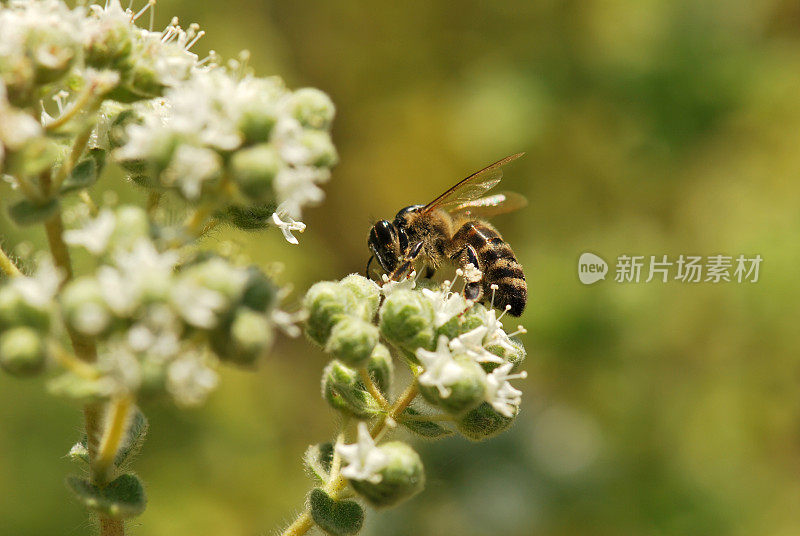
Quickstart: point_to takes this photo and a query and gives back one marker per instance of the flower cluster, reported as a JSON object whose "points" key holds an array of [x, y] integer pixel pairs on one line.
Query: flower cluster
{"points": [[457, 351], [160, 322], [250, 139], [87, 81]]}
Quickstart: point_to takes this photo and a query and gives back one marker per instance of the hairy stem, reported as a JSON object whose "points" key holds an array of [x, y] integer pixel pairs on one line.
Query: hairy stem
{"points": [[113, 435], [85, 350], [372, 388], [78, 146], [304, 521], [111, 527], [89, 202], [7, 265]]}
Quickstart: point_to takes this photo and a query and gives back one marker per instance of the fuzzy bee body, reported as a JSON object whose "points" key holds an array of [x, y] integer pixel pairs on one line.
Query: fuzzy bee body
{"points": [[449, 230]]}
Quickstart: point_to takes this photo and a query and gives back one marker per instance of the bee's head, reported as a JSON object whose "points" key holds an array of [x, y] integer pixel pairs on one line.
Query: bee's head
{"points": [[389, 241], [387, 244], [403, 217]]}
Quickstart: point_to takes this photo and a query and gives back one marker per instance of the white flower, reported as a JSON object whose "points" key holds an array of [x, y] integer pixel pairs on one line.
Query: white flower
{"points": [[122, 368], [189, 380], [196, 304], [95, 234], [91, 318], [390, 286], [143, 270], [499, 392], [363, 460], [288, 226], [441, 370], [39, 289], [16, 127], [495, 334], [190, 167], [296, 187], [446, 304], [157, 334], [471, 344]]}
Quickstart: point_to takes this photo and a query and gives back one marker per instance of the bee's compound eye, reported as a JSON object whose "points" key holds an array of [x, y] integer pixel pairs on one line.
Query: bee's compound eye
{"points": [[382, 233]]}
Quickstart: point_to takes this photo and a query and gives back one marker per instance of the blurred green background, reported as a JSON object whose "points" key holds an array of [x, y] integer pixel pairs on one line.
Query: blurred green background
{"points": [[651, 127]]}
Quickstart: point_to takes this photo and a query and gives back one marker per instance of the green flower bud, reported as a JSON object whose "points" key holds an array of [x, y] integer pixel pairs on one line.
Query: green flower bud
{"points": [[327, 303], [142, 82], [352, 341], [381, 368], [312, 108], [512, 352], [256, 124], [460, 324], [52, 54], [22, 351], [402, 478], [260, 293], [251, 337], [483, 422], [319, 144], [132, 225], [366, 291], [15, 311], [254, 169], [19, 77], [342, 389], [462, 394], [218, 275], [109, 48], [406, 319], [83, 306]]}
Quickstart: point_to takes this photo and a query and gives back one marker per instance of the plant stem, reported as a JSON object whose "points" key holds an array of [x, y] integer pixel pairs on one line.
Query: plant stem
{"points": [[89, 202], [7, 265], [85, 350], [111, 527], [116, 426], [372, 388], [304, 521], [78, 146]]}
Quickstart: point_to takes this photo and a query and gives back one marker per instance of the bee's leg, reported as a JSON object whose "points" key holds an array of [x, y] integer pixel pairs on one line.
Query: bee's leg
{"points": [[408, 263], [473, 290]]}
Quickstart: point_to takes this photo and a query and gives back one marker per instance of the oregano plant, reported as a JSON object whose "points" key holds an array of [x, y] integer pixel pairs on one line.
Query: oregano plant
{"points": [[86, 94]]}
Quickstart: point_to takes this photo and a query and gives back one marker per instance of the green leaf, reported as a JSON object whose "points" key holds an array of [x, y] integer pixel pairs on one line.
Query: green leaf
{"points": [[135, 439], [27, 212], [428, 429], [249, 217], [318, 459], [337, 518], [123, 497], [83, 175]]}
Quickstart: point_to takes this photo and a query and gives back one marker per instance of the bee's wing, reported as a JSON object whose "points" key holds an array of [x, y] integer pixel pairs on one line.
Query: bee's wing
{"points": [[492, 205], [472, 187]]}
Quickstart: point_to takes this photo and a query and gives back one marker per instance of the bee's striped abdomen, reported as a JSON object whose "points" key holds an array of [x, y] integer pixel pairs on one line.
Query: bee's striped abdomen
{"points": [[498, 264]]}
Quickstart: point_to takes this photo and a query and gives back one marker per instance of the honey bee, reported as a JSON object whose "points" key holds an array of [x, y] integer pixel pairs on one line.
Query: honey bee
{"points": [[451, 230]]}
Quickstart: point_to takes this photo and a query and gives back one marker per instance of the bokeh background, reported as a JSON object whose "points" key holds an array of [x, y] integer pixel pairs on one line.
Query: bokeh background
{"points": [[651, 127]]}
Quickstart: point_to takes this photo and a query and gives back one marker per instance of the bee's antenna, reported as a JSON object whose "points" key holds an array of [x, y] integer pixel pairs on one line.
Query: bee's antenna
{"points": [[369, 261]]}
